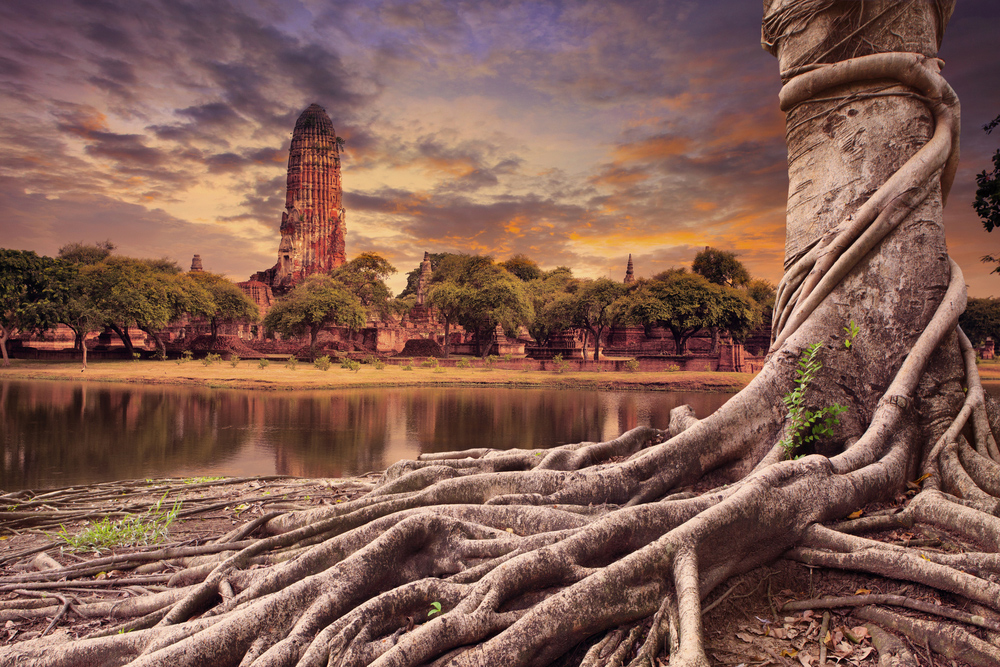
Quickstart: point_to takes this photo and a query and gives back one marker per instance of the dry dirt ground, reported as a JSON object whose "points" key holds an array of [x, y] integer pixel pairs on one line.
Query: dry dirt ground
{"points": [[744, 620]]}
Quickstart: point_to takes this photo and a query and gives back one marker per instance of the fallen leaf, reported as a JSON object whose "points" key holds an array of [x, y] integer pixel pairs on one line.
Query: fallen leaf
{"points": [[780, 633], [789, 653], [862, 591], [806, 659], [859, 631], [745, 637], [855, 515], [863, 653]]}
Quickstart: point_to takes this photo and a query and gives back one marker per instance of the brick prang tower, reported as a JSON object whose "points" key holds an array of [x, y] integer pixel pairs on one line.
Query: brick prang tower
{"points": [[313, 225]]}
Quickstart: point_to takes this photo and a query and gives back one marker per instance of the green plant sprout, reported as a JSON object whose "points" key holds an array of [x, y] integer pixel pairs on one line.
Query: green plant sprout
{"points": [[807, 426], [435, 608], [852, 332], [130, 530]]}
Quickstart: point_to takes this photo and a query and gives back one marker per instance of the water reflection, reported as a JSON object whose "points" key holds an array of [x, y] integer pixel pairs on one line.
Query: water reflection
{"points": [[61, 433]]}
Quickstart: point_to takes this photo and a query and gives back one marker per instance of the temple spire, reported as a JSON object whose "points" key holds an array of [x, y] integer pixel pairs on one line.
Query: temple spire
{"points": [[629, 273]]}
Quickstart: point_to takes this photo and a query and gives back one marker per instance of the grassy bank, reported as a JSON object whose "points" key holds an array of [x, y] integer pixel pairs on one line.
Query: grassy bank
{"points": [[276, 376]]}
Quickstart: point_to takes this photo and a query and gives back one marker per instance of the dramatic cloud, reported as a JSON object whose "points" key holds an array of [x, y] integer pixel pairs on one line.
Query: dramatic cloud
{"points": [[576, 133]]}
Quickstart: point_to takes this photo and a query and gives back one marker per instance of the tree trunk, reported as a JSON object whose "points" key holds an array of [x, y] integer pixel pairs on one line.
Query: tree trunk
{"points": [[474, 557], [161, 347], [5, 335], [214, 328], [125, 338], [447, 337]]}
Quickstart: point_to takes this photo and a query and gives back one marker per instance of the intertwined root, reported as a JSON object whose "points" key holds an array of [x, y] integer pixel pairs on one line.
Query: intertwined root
{"points": [[523, 568]]}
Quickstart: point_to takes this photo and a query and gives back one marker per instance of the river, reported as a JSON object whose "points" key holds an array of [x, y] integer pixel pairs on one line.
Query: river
{"points": [[64, 433]]}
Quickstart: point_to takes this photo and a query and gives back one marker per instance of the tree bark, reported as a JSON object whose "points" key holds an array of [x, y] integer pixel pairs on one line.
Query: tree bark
{"points": [[476, 557]]}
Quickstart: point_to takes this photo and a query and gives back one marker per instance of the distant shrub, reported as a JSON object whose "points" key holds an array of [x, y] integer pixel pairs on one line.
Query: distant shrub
{"points": [[291, 363], [559, 363], [186, 355], [489, 361], [160, 355], [263, 363], [632, 365], [507, 357], [429, 363], [672, 368], [322, 363], [234, 360], [211, 358], [350, 364], [379, 365], [464, 363], [407, 367]]}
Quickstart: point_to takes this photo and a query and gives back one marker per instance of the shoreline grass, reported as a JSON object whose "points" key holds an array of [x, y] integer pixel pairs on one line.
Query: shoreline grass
{"points": [[276, 377]]}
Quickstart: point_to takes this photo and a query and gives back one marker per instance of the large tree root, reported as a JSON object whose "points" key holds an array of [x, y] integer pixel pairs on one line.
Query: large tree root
{"points": [[609, 549]]}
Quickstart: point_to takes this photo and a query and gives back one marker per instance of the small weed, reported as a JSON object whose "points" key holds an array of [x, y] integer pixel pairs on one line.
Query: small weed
{"points": [[632, 365], [507, 357], [435, 608], [407, 367], [130, 530], [559, 363], [291, 363], [211, 358], [852, 331], [463, 363], [136, 356], [429, 363], [234, 360], [201, 480], [350, 364], [807, 426], [263, 363], [489, 361], [379, 365], [161, 355], [322, 363], [672, 368]]}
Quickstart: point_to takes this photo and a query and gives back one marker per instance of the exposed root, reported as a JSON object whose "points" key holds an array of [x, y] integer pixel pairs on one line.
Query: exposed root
{"points": [[517, 558]]}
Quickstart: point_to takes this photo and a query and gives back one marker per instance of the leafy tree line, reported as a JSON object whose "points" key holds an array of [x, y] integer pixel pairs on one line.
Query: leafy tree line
{"points": [[480, 295], [88, 288]]}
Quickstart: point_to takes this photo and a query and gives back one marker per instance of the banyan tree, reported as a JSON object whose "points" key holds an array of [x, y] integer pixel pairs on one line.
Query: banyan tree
{"points": [[610, 550]]}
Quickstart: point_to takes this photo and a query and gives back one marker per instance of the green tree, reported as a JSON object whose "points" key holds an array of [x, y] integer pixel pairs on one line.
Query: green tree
{"points": [[364, 276], [318, 302], [987, 201], [683, 302], [83, 253], [78, 308], [492, 296], [523, 267], [598, 305], [552, 304], [449, 298], [980, 320], [131, 293], [720, 267], [228, 302], [28, 294]]}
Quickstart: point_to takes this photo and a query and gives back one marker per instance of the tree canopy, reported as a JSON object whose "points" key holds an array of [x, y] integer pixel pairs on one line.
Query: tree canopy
{"points": [[29, 294], [317, 302], [364, 276], [720, 267]]}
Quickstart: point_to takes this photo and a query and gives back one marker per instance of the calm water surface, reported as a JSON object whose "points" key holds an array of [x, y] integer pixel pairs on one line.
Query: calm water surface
{"points": [[61, 433]]}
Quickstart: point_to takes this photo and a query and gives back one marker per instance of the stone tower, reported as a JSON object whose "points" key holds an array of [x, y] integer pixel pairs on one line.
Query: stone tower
{"points": [[312, 226], [629, 272]]}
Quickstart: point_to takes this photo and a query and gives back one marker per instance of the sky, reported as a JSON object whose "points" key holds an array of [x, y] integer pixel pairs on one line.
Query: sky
{"points": [[574, 132]]}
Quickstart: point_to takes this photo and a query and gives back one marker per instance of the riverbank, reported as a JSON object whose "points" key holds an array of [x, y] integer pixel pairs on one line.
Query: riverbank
{"points": [[278, 377]]}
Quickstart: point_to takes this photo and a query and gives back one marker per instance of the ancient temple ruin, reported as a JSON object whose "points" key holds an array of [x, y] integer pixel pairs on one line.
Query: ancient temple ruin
{"points": [[312, 225]]}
